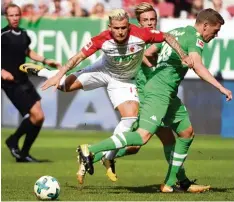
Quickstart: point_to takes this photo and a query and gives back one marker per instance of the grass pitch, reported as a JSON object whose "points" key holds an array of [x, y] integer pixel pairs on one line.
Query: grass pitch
{"points": [[210, 160]]}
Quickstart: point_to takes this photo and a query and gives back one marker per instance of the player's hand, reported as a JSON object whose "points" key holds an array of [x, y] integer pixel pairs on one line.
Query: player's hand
{"points": [[7, 75], [53, 63], [226, 92], [53, 81], [188, 61]]}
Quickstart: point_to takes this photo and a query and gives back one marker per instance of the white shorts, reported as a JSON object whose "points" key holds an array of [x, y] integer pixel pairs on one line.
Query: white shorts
{"points": [[96, 76]]}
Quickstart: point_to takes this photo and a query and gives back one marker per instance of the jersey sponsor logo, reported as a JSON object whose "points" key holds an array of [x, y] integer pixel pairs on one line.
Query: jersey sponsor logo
{"points": [[200, 43], [88, 45], [125, 58], [177, 33], [154, 118]]}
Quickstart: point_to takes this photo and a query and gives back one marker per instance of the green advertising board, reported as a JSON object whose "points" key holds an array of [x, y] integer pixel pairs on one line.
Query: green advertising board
{"points": [[60, 39]]}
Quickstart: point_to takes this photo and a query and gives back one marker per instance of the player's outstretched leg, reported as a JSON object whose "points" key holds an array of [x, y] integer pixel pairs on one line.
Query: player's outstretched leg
{"points": [[125, 125], [85, 152], [30, 68], [85, 157]]}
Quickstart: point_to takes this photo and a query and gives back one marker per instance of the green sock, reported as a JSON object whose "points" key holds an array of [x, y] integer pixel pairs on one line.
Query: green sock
{"points": [[168, 149], [181, 174], [116, 142], [179, 155], [98, 156], [121, 152]]}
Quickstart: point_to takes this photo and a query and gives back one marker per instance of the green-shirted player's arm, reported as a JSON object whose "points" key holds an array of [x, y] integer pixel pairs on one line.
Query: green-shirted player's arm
{"points": [[149, 54], [147, 62], [152, 50], [195, 48], [204, 74], [170, 39]]}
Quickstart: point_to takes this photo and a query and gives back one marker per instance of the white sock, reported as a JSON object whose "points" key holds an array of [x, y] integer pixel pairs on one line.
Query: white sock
{"points": [[50, 73], [47, 73], [124, 125]]}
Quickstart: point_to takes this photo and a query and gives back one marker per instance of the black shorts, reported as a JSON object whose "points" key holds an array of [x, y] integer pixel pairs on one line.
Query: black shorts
{"points": [[22, 95]]}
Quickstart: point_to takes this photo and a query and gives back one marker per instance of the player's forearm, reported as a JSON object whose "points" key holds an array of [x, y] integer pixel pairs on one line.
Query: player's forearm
{"points": [[147, 62], [174, 44], [74, 61], [204, 74], [34, 56]]}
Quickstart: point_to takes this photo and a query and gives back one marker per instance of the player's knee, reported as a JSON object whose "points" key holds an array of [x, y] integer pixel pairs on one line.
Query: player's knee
{"points": [[133, 149], [145, 135], [129, 108], [37, 118], [36, 115], [128, 121], [125, 124], [166, 136], [70, 84], [187, 133]]}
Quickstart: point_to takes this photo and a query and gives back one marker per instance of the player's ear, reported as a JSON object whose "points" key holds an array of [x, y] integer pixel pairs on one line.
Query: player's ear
{"points": [[109, 27], [205, 25]]}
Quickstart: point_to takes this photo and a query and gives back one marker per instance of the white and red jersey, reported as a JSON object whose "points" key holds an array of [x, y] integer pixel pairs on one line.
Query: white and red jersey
{"points": [[123, 60]]}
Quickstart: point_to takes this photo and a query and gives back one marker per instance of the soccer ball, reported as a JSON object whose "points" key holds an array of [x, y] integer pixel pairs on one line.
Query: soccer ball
{"points": [[47, 188]]}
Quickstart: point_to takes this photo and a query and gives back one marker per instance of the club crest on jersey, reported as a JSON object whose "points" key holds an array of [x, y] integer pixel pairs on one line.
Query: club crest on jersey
{"points": [[132, 49], [200, 43], [88, 45]]}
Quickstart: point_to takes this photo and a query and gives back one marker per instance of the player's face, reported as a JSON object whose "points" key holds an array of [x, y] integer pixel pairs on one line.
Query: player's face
{"points": [[119, 30], [210, 31], [13, 17], [148, 19]]}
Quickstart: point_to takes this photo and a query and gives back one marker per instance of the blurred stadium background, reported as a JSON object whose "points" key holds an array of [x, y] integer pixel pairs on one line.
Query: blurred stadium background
{"points": [[59, 32], [58, 29]]}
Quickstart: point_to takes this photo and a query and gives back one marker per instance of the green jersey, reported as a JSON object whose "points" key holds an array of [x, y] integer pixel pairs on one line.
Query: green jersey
{"points": [[144, 71], [143, 75], [169, 71]]}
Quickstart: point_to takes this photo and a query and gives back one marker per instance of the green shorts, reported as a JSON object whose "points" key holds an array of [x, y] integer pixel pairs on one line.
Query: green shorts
{"points": [[156, 112]]}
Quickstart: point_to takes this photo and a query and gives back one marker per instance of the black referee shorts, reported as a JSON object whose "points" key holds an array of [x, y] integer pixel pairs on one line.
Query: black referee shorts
{"points": [[22, 95]]}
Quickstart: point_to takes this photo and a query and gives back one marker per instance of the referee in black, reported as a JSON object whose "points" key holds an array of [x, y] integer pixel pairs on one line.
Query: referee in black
{"points": [[16, 85]]}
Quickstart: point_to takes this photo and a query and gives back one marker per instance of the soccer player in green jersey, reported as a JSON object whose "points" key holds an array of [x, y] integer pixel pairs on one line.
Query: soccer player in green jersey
{"points": [[161, 104]]}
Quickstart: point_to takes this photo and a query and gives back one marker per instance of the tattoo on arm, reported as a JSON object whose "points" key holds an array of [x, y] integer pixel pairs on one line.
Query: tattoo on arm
{"points": [[74, 61], [174, 44]]}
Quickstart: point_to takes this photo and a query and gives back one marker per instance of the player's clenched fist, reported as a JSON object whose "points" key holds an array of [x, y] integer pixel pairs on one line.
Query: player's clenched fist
{"points": [[188, 61], [7, 75], [226, 92]]}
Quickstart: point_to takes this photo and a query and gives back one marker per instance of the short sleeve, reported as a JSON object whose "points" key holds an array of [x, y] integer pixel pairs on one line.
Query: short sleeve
{"points": [[94, 44], [153, 36], [28, 39], [195, 44]]}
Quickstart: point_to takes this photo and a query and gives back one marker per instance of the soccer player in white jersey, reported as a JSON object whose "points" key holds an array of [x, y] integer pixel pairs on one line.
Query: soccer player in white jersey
{"points": [[123, 47]]}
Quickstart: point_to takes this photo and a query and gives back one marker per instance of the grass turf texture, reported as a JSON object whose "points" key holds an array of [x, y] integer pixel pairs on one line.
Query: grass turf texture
{"points": [[210, 160]]}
